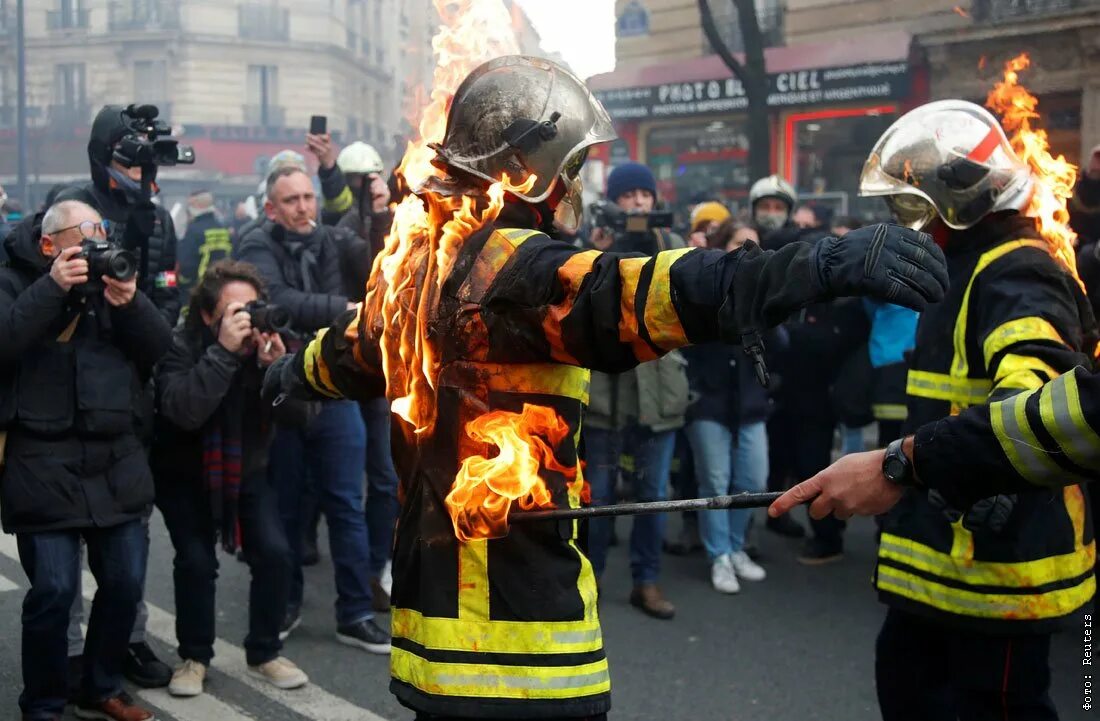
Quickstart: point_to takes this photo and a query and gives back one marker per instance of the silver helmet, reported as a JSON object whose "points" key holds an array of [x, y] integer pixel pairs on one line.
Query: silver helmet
{"points": [[773, 186], [950, 159], [523, 116]]}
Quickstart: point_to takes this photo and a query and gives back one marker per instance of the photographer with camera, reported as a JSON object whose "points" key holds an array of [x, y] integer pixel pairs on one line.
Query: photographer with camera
{"points": [[635, 413], [299, 261], [209, 460], [80, 341]]}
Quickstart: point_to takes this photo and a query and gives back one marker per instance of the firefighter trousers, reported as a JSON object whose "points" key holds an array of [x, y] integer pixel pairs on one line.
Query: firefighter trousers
{"points": [[927, 671]]}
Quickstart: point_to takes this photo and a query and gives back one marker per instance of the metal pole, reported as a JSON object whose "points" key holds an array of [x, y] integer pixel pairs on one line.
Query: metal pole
{"points": [[741, 500], [21, 105]]}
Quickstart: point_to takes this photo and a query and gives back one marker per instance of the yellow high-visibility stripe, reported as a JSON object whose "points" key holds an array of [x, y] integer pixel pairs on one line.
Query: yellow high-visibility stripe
{"points": [[960, 366], [889, 411], [1018, 607], [1018, 331], [550, 379], [454, 634], [571, 276], [316, 369], [661, 320], [341, 203], [473, 580], [1064, 419], [1018, 440], [631, 271], [482, 680], [962, 542], [1022, 372], [1021, 574], [943, 387], [498, 249]]}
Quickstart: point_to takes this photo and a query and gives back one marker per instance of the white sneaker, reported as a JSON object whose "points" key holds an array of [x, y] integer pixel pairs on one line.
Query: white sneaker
{"points": [[386, 578], [187, 679], [722, 576], [280, 673], [746, 568]]}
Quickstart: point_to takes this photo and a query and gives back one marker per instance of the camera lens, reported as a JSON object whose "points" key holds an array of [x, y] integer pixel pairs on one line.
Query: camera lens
{"points": [[121, 265]]}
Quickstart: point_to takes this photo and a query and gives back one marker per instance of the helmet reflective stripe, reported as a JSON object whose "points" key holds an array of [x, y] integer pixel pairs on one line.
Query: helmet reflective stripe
{"points": [[360, 158]]}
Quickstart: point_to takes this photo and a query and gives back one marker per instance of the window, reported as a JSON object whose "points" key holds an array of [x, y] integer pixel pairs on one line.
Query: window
{"points": [[263, 22], [262, 96], [69, 14], [68, 85], [151, 83]]}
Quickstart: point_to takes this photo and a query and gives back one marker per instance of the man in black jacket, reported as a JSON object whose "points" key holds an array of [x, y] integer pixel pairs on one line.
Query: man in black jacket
{"points": [[73, 345], [206, 241], [300, 264]]}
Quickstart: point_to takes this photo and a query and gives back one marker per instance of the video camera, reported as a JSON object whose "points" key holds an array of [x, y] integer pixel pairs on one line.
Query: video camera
{"points": [[268, 318], [150, 142], [106, 259], [632, 231]]}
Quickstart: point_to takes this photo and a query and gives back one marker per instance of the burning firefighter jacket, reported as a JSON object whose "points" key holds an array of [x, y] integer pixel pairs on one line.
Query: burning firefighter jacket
{"points": [[492, 622], [1012, 320]]}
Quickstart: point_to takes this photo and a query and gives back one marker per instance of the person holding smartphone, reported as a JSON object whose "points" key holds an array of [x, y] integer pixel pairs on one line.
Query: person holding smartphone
{"points": [[209, 462]]}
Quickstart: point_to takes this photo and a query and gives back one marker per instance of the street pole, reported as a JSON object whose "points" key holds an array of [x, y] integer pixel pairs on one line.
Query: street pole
{"points": [[21, 104]]}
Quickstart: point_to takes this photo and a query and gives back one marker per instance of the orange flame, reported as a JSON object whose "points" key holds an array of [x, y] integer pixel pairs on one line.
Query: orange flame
{"points": [[1054, 177], [426, 236], [960, 12]]}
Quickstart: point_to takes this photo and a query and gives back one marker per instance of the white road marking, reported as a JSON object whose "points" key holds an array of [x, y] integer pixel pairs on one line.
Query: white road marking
{"points": [[200, 708], [311, 701], [7, 585]]}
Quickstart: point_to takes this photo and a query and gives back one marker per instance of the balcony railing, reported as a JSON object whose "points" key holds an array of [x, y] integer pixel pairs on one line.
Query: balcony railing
{"points": [[266, 116], [143, 15], [263, 22], [997, 11], [66, 19]]}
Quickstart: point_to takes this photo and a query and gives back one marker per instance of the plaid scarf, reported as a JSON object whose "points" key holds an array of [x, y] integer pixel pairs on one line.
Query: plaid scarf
{"points": [[221, 465]]}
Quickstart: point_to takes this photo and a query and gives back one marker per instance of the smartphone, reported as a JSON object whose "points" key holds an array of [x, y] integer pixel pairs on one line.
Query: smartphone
{"points": [[318, 125]]}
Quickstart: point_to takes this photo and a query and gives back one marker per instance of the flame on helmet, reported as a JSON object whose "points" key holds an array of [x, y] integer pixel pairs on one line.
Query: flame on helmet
{"points": [[1054, 176], [425, 238]]}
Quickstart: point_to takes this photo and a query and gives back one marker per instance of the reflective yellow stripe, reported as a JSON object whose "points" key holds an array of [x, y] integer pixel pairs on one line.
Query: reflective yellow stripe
{"points": [[453, 634], [960, 366], [341, 202], [1022, 372], [1022, 574], [661, 320], [962, 542], [631, 271], [316, 369], [1017, 607], [1019, 442], [571, 276], [940, 386], [473, 580], [550, 379], [481, 680], [498, 249], [890, 411], [1018, 331], [1064, 419], [1074, 499]]}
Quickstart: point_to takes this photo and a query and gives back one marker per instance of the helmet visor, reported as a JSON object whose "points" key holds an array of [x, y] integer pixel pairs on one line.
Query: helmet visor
{"points": [[570, 209], [912, 211]]}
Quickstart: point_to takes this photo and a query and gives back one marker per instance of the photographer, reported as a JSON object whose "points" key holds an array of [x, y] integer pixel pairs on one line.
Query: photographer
{"points": [[638, 412], [78, 334], [300, 264], [209, 460]]}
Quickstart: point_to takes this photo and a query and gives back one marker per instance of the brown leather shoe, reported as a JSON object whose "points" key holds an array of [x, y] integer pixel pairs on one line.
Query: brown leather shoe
{"points": [[380, 600], [118, 708], [648, 598]]}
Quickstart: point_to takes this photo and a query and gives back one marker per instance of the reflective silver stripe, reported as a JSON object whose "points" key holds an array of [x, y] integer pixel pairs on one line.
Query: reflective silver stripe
{"points": [[1019, 443], [939, 386], [575, 636], [491, 680], [917, 588], [1060, 414]]}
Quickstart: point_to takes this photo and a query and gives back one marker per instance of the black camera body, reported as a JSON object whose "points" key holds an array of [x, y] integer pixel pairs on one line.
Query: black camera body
{"points": [[149, 142], [106, 259], [268, 317], [633, 232]]}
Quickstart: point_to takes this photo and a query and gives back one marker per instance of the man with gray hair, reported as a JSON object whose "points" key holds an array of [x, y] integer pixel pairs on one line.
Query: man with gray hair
{"points": [[206, 241], [77, 332]]}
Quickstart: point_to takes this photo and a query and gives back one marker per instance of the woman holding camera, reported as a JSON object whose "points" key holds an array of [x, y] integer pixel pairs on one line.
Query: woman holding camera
{"points": [[210, 465]]}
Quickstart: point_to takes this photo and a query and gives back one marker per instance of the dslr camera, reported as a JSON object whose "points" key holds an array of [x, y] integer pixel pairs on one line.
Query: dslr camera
{"points": [[149, 142], [268, 318], [106, 259]]}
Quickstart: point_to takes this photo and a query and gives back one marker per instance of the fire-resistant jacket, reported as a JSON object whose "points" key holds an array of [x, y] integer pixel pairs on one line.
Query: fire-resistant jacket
{"points": [[1012, 320], [508, 628]]}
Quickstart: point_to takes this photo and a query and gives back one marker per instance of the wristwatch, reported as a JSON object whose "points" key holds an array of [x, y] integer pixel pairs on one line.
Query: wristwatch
{"points": [[896, 467]]}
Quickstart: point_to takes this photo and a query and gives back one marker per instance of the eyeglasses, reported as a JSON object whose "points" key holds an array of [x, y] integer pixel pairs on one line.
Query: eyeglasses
{"points": [[89, 229]]}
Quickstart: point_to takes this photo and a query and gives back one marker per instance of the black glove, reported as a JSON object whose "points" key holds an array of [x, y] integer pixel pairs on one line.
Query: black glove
{"points": [[884, 261]]}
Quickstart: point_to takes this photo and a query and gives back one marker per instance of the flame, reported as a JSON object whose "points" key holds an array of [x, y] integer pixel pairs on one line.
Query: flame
{"points": [[960, 12], [1054, 177], [427, 233]]}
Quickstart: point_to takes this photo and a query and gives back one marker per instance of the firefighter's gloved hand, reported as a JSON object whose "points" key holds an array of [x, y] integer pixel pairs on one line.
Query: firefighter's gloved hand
{"points": [[884, 261], [992, 513]]}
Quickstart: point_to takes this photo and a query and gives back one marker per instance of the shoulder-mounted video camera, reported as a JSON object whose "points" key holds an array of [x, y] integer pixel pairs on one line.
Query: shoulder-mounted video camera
{"points": [[106, 259], [149, 141], [633, 232]]}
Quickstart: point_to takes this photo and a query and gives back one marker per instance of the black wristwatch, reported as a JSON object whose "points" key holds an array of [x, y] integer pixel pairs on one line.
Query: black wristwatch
{"points": [[896, 467]]}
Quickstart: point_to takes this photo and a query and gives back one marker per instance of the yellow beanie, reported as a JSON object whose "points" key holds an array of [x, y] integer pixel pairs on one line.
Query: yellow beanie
{"points": [[707, 212]]}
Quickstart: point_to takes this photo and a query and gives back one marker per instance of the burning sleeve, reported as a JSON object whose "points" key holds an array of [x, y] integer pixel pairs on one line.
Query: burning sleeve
{"points": [[1046, 437], [341, 362]]}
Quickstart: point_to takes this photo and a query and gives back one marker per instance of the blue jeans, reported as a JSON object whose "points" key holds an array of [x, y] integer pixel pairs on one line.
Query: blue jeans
{"points": [[331, 451], [652, 462], [725, 467], [382, 505], [51, 560]]}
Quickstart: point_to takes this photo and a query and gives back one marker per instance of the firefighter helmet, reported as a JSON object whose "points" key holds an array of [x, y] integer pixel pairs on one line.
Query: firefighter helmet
{"points": [[360, 158], [522, 116], [773, 187], [951, 159]]}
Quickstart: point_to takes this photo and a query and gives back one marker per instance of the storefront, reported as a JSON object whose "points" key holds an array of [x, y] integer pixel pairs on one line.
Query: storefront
{"points": [[827, 103]]}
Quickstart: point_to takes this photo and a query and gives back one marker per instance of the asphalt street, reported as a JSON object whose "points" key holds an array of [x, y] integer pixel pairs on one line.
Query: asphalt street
{"points": [[795, 647]]}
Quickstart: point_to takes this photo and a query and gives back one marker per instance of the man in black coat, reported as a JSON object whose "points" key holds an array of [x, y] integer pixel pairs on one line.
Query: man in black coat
{"points": [[74, 467]]}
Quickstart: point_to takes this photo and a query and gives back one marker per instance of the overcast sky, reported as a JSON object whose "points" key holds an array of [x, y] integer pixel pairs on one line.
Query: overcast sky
{"points": [[583, 31]]}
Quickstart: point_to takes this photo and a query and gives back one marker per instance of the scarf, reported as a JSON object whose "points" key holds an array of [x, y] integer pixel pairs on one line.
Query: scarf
{"points": [[221, 465]]}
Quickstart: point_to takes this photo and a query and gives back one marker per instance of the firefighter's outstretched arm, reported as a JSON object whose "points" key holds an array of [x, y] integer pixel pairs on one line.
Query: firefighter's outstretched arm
{"points": [[1044, 438], [609, 312]]}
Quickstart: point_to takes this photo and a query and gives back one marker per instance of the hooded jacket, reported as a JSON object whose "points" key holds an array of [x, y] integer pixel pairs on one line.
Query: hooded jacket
{"points": [[122, 205], [68, 404]]}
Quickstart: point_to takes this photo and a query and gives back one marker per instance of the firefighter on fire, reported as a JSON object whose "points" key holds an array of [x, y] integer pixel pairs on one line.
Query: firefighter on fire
{"points": [[507, 628], [976, 585]]}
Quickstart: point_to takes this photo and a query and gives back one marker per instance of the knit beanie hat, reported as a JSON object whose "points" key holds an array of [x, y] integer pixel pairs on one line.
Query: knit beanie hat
{"points": [[630, 176]]}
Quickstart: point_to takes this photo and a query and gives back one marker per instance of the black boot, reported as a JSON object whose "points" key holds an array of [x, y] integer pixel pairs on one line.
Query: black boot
{"points": [[143, 668]]}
